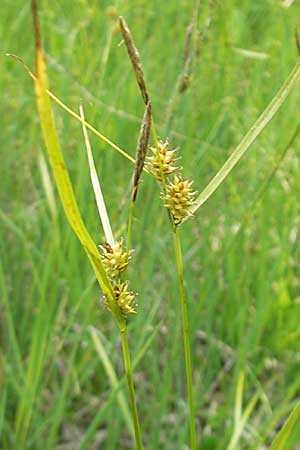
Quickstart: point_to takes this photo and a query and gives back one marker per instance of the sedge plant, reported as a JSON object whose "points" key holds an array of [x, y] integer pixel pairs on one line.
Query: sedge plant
{"points": [[179, 198], [111, 261]]}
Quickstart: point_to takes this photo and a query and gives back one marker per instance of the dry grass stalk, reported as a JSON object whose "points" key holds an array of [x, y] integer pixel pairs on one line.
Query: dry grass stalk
{"points": [[142, 148], [187, 42], [135, 58]]}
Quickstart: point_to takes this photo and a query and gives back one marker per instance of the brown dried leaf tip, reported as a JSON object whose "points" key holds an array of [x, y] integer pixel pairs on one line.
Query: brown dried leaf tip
{"points": [[179, 198], [162, 160]]}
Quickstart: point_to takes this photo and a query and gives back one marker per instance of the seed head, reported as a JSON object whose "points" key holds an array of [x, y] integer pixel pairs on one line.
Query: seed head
{"points": [[162, 159], [179, 198], [125, 298], [114, 259]]}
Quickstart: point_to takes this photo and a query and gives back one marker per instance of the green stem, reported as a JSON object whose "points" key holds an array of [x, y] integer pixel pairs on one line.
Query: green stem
{"points": [[186, 338], [132, 201], [129, 227], [184, 315], [128, 372], [163, 179]]}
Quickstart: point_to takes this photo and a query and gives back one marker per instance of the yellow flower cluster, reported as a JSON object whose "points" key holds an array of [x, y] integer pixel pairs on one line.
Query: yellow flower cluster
{"points": [[178, 195], [179, 198], [162, 160], [125, 298], [115, 261]]}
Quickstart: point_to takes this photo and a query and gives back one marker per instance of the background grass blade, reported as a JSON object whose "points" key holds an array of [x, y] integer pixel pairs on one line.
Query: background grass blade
{"points": [[241, 418], [280, 440], [91, 430], [250, 137], [74, 114], [100, 348]]}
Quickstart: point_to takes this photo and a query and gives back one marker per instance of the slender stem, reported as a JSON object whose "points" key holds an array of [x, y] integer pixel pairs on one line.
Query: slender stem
{"points": [[153, 132], [156, 143], [186, 338], [129, 226], [128, 372], [184, 315], [132, 201], [162, 176]]}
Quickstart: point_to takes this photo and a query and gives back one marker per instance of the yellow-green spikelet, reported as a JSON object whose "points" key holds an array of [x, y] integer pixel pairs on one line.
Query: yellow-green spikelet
{"points": [[179, 198], [125, 299], [114, 259], [162, 160]]}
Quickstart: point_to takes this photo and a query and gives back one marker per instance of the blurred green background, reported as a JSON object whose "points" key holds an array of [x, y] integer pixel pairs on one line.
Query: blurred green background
{"points": [[241, 251]]}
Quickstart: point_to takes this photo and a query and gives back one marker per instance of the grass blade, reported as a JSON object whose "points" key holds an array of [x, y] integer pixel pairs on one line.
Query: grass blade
{"points": [[96, 337], [91, 430], [60, 172], [46, 180], [283, 435], [240, 417], [73, 113], [249, 138], [96, 186]]}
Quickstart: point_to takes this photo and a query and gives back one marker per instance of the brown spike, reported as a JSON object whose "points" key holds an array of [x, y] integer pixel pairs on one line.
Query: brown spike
{"points": [[135, 58], [142, 148], [187, 42]]}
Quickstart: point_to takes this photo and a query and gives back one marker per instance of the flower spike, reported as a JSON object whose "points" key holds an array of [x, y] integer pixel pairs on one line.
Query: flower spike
{"points": [[179, 198]]}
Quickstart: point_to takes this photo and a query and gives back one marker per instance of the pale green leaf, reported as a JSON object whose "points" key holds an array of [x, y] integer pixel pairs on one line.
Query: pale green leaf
{"points": [[282, 436], [96, 186], [249, 138]]}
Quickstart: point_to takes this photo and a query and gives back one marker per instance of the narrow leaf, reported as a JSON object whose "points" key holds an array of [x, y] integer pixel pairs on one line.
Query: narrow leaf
{"points": [[283, 435], [46, 180], [249, 138], [60, 172], [239, 398], [74, 114], [100, 348], [242, 422], [252, 54], [94, 425], [96, 186]]}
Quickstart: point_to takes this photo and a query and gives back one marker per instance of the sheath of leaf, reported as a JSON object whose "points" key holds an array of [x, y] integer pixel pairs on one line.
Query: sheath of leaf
{"points": [[162, 160], [125, 299], [114, 259], [179, 198]]}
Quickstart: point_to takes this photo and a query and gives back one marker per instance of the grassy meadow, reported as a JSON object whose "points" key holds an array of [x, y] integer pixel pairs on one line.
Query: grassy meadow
{"points": [[61, 372]]}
